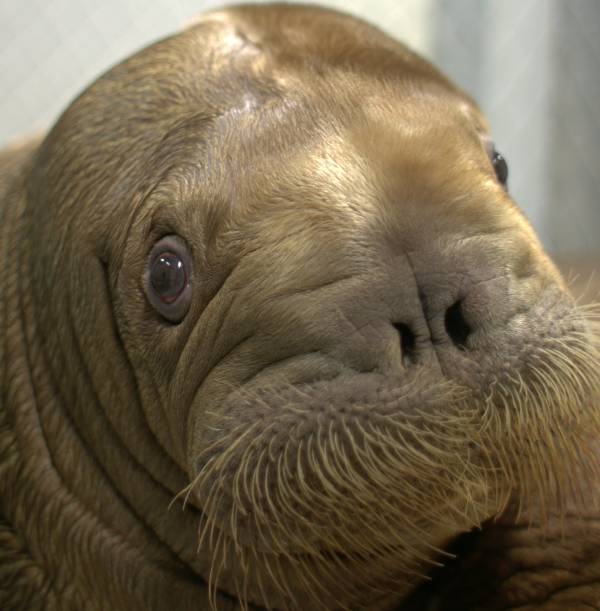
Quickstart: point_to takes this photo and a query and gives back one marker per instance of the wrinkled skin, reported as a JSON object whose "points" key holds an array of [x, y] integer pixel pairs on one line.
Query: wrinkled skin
{"points": [[378, 356]]}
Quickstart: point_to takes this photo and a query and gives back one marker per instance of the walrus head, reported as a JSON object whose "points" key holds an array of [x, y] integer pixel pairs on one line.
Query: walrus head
{"points": [[277, 254]]}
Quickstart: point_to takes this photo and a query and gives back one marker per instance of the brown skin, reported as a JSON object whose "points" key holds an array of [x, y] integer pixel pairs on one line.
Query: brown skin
{"points": [[377, 356]]}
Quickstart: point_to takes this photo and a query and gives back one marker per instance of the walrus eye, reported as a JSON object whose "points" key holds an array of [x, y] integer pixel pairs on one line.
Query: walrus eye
{"points": [[500, 167], [168, 278]]}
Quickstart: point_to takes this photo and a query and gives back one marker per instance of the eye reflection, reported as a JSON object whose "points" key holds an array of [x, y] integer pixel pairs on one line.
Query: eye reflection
{"points": [[168, 277]]}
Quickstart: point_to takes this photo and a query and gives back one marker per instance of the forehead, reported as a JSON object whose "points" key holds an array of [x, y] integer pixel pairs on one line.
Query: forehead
{"points": [[290, 166], [331, 140]]}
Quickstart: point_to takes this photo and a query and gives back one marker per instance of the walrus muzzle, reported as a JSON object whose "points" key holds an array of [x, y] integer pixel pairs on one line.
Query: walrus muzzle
{"points": [[343, 481]]}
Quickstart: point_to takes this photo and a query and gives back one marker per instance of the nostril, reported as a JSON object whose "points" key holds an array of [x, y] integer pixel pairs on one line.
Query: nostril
{"points": [[407, 343], [457, 327]]}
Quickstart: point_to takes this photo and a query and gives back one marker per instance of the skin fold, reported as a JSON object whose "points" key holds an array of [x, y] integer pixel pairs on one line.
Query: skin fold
{"points": [[376, 391]]}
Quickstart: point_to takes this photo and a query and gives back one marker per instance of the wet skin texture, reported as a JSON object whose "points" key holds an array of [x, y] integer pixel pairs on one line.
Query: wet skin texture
{"points": [[365, 354]]}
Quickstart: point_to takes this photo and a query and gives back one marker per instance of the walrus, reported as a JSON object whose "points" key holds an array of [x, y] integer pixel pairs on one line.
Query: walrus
{"points": [[274, 335]]}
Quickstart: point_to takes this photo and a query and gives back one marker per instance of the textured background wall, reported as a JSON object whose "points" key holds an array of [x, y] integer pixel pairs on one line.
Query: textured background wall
{"points": [[533, 65]]}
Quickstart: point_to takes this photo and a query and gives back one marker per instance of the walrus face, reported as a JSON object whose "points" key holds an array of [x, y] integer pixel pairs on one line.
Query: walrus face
{"points": [[345, 332], [395, 339]]}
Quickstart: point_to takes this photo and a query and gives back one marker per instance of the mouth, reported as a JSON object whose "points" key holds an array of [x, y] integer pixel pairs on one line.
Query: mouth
{"points": [[434, 592]]}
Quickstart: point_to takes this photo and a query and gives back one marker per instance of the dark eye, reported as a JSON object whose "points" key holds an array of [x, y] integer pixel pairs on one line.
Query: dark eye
{"points": [[168, 278], [500, 167]]}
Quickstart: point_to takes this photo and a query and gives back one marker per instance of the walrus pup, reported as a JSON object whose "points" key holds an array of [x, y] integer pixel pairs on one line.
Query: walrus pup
{"points": [[273, 333]]}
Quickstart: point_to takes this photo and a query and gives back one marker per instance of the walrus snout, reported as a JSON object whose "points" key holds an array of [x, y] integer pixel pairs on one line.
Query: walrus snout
{"points": [[462, 299], [451, 309]]}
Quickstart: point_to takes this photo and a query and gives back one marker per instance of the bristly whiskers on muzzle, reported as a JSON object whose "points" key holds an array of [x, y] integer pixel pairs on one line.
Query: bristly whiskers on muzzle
{"points": [[354, 485]]}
